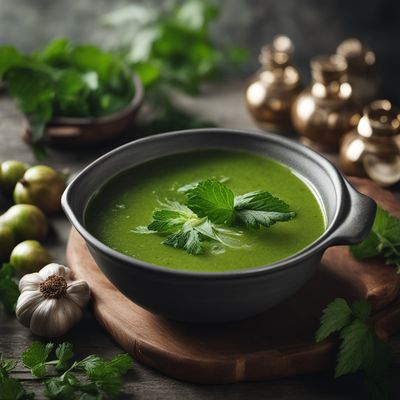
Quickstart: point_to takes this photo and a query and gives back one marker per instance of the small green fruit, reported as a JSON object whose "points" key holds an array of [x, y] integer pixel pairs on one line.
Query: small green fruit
{"points": [[7, 242], [27, 222], [41, 186], [11, 172], [28, 257]]}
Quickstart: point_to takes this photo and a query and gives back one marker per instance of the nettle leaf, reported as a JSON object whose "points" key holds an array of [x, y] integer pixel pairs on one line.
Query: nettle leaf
{"points": [[187, 238], [260, 208], [9, 57], [361, 309], [211, 199], [356, 346], [335, 317]]}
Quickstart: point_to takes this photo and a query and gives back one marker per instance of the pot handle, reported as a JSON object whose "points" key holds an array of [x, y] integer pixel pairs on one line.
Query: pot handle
{"points": [[359, 219]]}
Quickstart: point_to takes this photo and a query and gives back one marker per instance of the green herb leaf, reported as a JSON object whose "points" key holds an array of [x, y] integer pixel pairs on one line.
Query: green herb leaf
{"points": [[361, 309], [35, 356], [211, 199], [64, 353], [187, 238], [335, 317], [11, 389], [383, 240], [9, 291], [260, 208]]}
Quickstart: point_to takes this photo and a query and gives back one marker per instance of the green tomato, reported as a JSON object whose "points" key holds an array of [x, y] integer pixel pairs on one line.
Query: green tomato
{"points": [[41, 186], [7, 242], [28, 257], [26, 221], [11, 172]]}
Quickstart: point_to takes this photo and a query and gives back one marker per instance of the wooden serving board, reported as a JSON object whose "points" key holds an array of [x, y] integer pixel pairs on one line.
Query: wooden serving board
{"points": [[275, 344]]}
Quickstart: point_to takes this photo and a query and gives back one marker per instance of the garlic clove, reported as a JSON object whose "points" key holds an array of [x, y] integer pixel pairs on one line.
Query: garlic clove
{"points": [[79, 292], [55, 269], [27, 303], [54, 317], [30, 282]]}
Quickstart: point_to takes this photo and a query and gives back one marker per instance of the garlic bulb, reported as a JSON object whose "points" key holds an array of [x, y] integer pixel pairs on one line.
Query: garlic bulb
{"points": [[51, 302]]}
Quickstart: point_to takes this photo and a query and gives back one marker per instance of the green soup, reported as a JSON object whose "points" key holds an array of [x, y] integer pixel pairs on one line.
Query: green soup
{"points": [[128, 200]]}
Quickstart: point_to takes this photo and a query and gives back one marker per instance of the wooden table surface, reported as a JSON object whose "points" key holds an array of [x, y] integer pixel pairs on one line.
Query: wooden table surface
{"points": [[226, 108]]}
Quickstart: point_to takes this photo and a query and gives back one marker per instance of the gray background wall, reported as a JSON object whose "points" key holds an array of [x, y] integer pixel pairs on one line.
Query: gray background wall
{"points": [[316, 26]]}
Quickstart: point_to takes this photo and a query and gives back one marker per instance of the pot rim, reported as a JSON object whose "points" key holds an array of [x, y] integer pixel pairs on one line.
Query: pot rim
{"points": [[320, 244]]}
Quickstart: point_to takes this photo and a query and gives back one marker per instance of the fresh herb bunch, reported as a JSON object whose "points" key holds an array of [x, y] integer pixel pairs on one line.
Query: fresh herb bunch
{"points": [[170, 47], [382, 241], [361, 349], [87, 379], [8, 288], [210, 211], [65, 79]]}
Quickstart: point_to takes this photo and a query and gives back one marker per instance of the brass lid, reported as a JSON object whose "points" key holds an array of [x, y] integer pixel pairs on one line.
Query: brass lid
{"points": [[329, 68], [381, 118], [356, 53], [278, 53]]}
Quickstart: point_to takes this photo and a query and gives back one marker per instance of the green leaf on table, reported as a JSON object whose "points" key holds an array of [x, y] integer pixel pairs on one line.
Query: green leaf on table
{"points": [[260, 208], [35, 356], [64, 353], [383, 240], [11, 389], [335, 317], [212, 199], [9, 291]]}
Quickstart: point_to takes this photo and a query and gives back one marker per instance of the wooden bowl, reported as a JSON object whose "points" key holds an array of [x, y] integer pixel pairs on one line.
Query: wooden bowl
{"points": [[75, 131]]}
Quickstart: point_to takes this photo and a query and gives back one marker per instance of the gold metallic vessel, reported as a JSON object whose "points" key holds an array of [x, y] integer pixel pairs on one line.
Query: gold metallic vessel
{"points": [[325, 111], [361, 70], [372, 150], [272, 90]]}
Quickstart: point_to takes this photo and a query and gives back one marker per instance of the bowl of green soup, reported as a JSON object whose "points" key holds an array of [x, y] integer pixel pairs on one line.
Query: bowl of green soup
{"points": [[213, 225]]}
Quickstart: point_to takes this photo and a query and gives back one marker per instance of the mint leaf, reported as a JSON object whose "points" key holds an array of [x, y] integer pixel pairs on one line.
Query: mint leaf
{"points": [[211, 199], [260, 208], [35, 356], [357, 344], [383, 240], [335, 317], [64, 353]]}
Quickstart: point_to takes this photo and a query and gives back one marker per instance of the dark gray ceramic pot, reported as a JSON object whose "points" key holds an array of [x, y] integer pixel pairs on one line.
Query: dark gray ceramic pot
{"points": [[220, 297]]}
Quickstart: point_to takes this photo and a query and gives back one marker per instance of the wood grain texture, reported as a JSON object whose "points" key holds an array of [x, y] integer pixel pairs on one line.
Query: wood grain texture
{"points": [[278, 343]]}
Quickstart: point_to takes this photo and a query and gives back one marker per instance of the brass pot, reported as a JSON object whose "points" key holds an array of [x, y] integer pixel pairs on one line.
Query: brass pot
{"points": [[361, 70], [325, 111], [372, 150], [271, 91]]}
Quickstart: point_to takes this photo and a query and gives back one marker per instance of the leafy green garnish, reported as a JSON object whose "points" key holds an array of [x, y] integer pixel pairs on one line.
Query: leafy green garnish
{"points": [[171, 49], [67, 80], [9, 291], [361, 349], [187, 230], [11, 389], [90, 378], [382, 241], [210, 204]]}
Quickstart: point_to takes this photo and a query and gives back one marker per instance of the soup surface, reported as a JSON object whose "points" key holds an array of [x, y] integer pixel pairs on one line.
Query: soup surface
{"points": [[128, 200]]}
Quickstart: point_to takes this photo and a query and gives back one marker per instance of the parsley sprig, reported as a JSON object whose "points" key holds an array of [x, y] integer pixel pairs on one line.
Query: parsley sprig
{"points": [[210, 214], [382, 241], [90, 378], [360, 349]]}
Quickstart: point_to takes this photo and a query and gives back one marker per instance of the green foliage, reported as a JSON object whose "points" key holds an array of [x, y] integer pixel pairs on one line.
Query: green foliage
{"points": [[9, 291], [360, 349], [67, 80], [170, 47], [88, 379], [210, 204], [382, 241]]}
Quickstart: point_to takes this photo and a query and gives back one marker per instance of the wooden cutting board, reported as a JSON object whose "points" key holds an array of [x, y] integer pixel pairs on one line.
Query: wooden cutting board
{"points": [[275, 344]]}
